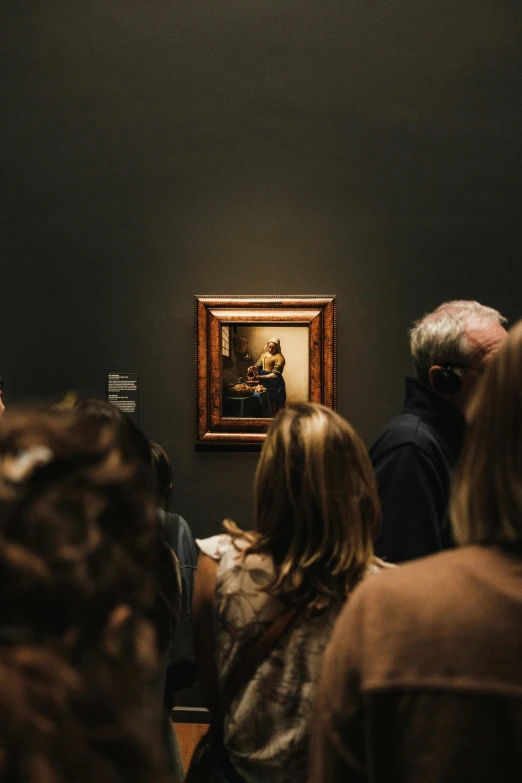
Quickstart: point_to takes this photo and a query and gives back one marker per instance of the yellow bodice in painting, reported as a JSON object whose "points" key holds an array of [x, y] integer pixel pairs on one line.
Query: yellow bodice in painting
{"points": [[271, 362]]}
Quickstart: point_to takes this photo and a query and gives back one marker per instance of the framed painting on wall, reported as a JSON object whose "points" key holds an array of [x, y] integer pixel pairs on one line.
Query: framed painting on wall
{"points": [[256, 354]]}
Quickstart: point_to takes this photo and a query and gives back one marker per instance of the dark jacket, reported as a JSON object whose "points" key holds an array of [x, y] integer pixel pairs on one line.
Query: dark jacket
{"points": [[413, 457], [422, 681]]}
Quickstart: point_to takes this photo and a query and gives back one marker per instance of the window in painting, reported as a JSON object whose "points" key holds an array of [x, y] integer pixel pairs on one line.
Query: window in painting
{"points": [[225, 340]]}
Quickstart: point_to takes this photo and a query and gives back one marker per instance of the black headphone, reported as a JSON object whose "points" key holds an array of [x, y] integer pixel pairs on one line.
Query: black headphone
{"points": [[446, 380]]}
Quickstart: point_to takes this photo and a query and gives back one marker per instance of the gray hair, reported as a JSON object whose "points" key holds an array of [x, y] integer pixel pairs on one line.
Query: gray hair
{"points": [[440, 337]]}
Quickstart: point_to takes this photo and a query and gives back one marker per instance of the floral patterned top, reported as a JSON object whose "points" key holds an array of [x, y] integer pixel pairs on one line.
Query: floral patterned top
{"points": [[266, 729]]}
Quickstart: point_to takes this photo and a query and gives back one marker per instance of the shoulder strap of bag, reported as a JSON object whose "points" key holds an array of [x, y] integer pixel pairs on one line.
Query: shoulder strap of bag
{"points": [[246, 667]]}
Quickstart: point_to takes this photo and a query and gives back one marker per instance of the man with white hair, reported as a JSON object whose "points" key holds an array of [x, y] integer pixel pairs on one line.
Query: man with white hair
{"points": [[414, 455]]}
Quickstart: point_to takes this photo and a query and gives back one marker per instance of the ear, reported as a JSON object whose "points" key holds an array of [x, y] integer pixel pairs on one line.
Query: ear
{"points": [[437, 378], [445, 381], [433, 373]]}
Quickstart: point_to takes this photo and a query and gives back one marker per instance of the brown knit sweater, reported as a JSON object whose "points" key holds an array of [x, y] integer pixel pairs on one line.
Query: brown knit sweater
{"points": [[422, 680]]}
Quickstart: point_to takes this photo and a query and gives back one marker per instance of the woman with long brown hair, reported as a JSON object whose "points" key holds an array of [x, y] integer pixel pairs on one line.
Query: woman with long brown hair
{"points": [[316, 512]]}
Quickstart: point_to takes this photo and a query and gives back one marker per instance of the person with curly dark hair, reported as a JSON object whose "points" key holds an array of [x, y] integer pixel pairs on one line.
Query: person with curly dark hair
{"points": [[79, 546], [168, 604]]}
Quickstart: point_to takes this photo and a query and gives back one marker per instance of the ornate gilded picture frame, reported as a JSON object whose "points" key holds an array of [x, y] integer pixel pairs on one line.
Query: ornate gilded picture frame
{"points": [[256, 354]]}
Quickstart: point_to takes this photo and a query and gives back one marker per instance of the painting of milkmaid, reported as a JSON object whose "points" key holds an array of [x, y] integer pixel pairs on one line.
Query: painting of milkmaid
{"points": [[263, 370], [271, 365]]}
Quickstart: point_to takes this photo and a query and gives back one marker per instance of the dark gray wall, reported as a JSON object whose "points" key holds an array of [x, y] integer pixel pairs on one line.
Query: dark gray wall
{"points": [[154, 150]]}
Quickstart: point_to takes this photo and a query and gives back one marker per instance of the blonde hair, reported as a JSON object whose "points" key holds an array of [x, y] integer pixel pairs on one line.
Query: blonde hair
{"points": [[316, 506], [486, 505]]}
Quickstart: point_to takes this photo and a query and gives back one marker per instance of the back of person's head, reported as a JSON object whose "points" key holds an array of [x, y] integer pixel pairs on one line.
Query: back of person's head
{"points": [[439, 338], [69, 490], [487, 498], [102, 412], [315, 504], [96, 413], [78, 547], [162, 469]]}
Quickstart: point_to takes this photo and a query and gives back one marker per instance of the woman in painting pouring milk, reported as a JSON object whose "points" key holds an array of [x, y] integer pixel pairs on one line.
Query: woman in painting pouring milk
{"points": [[270, 367]]}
